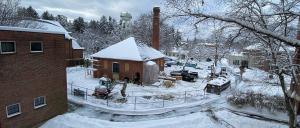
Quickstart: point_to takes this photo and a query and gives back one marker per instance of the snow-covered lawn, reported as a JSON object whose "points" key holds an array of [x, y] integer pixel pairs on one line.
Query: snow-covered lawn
{"points": [[221, 119], [185, 107], [258, 81], [73, 120]]}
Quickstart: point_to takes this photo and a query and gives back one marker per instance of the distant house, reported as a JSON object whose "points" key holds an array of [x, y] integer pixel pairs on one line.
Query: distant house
{"points": [[238, 59], [178, 53], [259, 56], [125, 59], [33, 85]]}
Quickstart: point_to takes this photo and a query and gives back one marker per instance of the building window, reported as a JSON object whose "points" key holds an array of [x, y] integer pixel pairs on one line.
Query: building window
{"points": [[236, 62], [7, 47], [115, 67], [13, 110], [39, 102], [126, 67], [36, 47]]}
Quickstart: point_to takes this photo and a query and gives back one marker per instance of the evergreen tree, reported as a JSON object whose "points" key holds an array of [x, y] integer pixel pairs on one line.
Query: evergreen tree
{"points": [[110, 25], [47, 16], [79, 25], [21, 12], [103, 25], [30, 12], [93, 25], [63, 20]]}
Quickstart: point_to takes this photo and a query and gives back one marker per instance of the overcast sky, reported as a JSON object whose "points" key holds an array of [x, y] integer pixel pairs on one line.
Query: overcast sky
{"points": [[92, 9]]}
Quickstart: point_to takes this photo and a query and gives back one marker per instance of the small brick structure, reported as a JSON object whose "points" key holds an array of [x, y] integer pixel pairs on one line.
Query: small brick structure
{"points": [[75, 55], [25, 76], [129, 57]]}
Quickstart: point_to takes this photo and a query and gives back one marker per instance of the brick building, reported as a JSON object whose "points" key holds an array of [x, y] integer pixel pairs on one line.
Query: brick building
{"points": [[32, 75], [75, 54], [127, 58]]}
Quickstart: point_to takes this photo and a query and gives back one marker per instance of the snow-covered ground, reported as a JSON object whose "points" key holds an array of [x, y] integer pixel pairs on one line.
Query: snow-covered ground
{"points": [[202, 119], [188, 107], [141, 97], [220, 119], [258, 81]]}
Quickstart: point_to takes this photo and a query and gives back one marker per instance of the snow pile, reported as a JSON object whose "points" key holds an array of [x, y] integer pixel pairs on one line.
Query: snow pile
{"points": [[150, 63], [255, 75], [260, 76], [73, 120], [129, 50], [218, 81]]}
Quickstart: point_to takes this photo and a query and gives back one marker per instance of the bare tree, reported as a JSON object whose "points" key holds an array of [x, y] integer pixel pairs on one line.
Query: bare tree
{"points": [[268, 21], [8, 12]]}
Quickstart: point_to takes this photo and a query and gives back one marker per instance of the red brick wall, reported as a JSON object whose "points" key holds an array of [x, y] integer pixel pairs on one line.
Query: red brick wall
{"points": [[75, 56], [134, 66], [161, 64], [77, 53], [155, 28], [25, 76]]}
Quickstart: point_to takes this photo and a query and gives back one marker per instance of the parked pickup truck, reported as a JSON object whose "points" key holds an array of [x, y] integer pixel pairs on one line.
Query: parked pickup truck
{"points": [[186, 76]]}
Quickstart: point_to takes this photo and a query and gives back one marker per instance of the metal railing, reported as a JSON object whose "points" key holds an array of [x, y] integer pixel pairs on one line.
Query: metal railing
{"points": [[135, 101]]}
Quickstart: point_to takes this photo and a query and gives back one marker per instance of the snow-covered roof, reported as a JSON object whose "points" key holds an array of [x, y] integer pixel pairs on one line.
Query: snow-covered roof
{"points": [[42, 26], [179, 50], [256, 46], [218, 81], [22, 29], [234, 53], [259, 46], [75, 45], [129, 50]]}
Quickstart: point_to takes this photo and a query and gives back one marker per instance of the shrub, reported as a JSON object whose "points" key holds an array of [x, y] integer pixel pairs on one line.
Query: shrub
{"points": [[259, 101]]}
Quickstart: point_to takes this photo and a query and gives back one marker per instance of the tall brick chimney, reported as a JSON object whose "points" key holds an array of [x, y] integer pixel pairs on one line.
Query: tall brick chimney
{"points": [[155, 28], [297, 54], [298, 29]]}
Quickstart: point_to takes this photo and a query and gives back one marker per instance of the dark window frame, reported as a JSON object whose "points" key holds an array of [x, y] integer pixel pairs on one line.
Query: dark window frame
{"points": [[236, 62], [15, 47], [42, 47], [113, 68]]}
